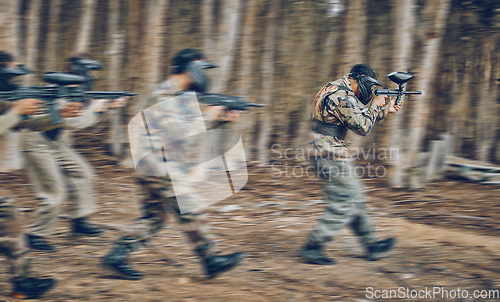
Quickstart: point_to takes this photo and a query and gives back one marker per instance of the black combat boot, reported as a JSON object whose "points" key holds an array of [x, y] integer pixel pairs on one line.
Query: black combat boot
{"points": [[215, 264], [314, 255], [31, 288], [378, 247], [82, 227], [39, 243], [116, 262]]}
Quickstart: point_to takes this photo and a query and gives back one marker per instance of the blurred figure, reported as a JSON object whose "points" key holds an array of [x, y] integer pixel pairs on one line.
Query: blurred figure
{"points": [[83, 65], [188, 75], [50, 161], [12, 238], [13, 246], [345, 104]]}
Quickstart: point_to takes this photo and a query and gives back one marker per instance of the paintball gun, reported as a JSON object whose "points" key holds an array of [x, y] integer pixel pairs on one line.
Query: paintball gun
{"points": [[399, 78], [229, 101], [66, 87]]}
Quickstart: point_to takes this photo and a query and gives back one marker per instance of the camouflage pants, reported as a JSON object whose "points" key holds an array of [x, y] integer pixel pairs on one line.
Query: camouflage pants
{"points": [[50, 165], [12, 243], [157, 202], [345, 203]]}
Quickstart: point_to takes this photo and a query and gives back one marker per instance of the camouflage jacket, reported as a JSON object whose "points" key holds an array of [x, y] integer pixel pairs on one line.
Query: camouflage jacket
{"points": [[158, 135], [176, 149], [337, 104]]}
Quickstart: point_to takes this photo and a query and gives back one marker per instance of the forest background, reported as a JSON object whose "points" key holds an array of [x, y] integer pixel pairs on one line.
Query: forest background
{"points": [[279, 53]]}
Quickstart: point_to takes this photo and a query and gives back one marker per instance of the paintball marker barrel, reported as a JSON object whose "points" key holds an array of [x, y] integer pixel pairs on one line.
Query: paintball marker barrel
{"points": [[392, 92], [399, 78], [228, 101], [68, 86], [60, 78]]}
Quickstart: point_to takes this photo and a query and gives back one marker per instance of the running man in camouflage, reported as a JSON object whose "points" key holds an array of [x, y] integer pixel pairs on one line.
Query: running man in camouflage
{"points": [[159, 196], [345, 104]]}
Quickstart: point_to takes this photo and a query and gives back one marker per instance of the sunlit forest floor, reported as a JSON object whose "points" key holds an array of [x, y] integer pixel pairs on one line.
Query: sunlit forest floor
{"points": [[447, 236]]}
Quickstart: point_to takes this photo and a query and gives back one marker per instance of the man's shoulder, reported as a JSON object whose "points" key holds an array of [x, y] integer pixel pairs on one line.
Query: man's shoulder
{"points": [[337, 89], [164, 90], [337, 86], [168, 87]]}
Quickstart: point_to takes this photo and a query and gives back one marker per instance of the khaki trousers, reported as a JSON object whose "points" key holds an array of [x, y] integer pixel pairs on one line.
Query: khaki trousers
{"points": [[50, 164]]}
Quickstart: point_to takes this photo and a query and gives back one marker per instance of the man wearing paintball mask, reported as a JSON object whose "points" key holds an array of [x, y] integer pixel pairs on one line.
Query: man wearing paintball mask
{"points": [[342, 105], [12, 239], [51, 160], [188, 74]]}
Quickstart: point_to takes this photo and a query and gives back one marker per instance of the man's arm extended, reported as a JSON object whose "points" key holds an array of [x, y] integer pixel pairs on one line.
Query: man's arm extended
{"points": [[12, 113]]}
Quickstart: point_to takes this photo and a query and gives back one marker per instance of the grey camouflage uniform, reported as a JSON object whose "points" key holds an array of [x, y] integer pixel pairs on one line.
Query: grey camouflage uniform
{"points": [[159, 196]]}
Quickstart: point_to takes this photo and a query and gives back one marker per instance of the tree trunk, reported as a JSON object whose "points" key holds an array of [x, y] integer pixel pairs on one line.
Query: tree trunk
{"points": [[302, 75], [115, 53], [438, 11], [86, 22], [9, 29], [227, 41], [405, 20], [154, 40], [134, 51], [209, 27], [486, 115], [459, 110], [496, 93], [51, 58], [354, 42], [32, 39], [246, 77], [268, 62]]}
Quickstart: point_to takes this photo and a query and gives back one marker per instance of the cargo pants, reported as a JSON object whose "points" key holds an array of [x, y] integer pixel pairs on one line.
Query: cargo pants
{"points": [[345, 203], [52, 164]]}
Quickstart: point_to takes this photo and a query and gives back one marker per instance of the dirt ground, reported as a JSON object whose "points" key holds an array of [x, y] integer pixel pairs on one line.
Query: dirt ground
{"points": [[447, 237]]}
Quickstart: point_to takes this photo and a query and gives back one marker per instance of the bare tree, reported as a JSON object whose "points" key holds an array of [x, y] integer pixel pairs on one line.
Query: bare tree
{"points": [[246, 77], [354, 41], [268, 61], [304, 72], [9, 29], [115, 54], [320, 75], [403, 36], [436, 12], [462, 92], [154, 40], [53, 26], [209, 27], [135, 30], [486, 115], [227, 41], [86, 22], [32, 37]]}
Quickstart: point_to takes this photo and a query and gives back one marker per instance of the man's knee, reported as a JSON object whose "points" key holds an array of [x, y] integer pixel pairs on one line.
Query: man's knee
{"points": [[51, 203], [83, 172]]}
